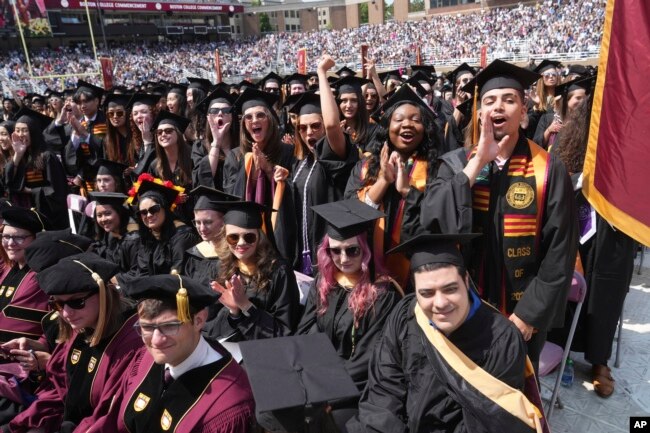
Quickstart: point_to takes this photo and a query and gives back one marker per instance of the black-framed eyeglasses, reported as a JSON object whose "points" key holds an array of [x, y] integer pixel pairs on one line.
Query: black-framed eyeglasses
{"points": [[233, 238], [151, 211], [349, 251], [168, 329], [18, 239], [220, 110], [75, 304]]}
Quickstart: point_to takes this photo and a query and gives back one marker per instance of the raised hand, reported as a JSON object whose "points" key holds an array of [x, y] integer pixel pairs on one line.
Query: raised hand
{"points": [[488, 148], [326, 63], [387, 169]]}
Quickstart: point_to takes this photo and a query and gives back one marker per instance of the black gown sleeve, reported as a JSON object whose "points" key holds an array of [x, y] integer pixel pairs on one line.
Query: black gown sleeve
{"points": [[234, 174], [544, 122], [182, 240], [355, 182], [308, 323]]}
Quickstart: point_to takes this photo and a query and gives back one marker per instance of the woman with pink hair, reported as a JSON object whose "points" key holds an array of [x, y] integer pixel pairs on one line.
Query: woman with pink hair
{"points": [[346, 301]]}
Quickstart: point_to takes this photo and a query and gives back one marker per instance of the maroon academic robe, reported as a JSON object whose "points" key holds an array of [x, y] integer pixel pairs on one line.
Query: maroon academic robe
{"points": [[214, 398], [22, 302], [81, 381]]}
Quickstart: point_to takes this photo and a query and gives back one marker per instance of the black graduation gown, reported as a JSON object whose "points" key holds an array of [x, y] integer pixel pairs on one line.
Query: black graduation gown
{"points": [[56, 137], [545, 121], [202, 265], [184, 211], [201, 170], [234, 182], [122, 251], [81, 161], [447, 208], [403, 392], [143, 161], [49, 188], [161, 256], [354, 346], [275, 311], [326, 184]]}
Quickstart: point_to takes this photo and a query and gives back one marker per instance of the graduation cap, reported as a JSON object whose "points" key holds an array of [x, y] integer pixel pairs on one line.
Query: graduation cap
{"points": [[332, 79], [421, 77], [350, 84], [404, 95], [32, 118], [69, 92], [51, 246], [217, 95], [395, 74], [140, 98], [158, 91], [120, 90], [345, 72], [429, 70], [415, 83], [199, 83], [296, 79], [77, 274], [462, 69], [347, 218], [270, 77], [180, 290], [47, 92], [244, 214], [55, 94], [546, 65], [112, 168], [179, 89], [85, 86], [113, 199], [585, 83], [580, 70], [38, 98], [307, 103], [212, 199], [426, 249], [26, 219], [291, 100], [116, 99], [292, 377], [169, 118], [446, 88], [466, 107], [9, 125], [255, 98], [147, 186], [244, 84], [501, 75]]}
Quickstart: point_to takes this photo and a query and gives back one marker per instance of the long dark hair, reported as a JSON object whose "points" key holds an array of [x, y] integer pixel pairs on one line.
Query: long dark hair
{"points": [[112, 143], [427, 149], [124, 215], [572, 139], [168, 228], [33, 158], [184, 160], [361, 119]]}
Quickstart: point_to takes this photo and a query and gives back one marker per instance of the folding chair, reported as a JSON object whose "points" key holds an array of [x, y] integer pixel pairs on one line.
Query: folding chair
{"points": [[76, 203], [554, 356]]}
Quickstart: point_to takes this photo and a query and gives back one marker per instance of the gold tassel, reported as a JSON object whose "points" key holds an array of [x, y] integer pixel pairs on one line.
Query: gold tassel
{"points": [[475, 132], [39, 218], [182, 301], [102, 321]]}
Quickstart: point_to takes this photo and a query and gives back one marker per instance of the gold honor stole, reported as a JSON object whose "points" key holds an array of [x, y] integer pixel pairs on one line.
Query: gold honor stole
{"points": [[397, 265], [276, 187], [525, 195], [483, 392]]}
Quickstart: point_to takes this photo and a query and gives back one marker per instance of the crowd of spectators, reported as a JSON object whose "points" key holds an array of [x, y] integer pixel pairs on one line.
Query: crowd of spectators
{"points": [[543, 28]]}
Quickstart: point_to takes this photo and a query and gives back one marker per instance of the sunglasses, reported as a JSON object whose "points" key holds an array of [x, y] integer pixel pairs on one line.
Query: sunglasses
{"points": [[167, 131], [220, 110], [257, 116], [151, 211], [549, 74], [115, 114], [313, 126], [349, 251], [233, 239], [272, 90], [75, 304]]}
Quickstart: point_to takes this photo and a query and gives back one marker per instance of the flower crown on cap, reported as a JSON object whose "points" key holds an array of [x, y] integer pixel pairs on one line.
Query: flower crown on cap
{"points": [[146, 177]]}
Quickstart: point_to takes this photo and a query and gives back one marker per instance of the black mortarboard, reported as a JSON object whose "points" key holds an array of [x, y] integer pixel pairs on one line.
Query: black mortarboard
{"points": [[26, 219], [586, 83], [158, 91], [307, 103], [460, 70], [88, 87], [116, 99], [501, 75], [244, 84], [156, 190], [350, 84], [434, 248], [183, 291], [199, 83], [466, 107], [294, 372], [105, 166], [169, 118], [420, 77], [221, 85], [255, 98], [344, 72], [415, 83], [404, 95], [545, 65], [144, 99], [217, 95], [428, 70], [47, 92], [212, 199], [347, 218], [394, 74], [114, 199], [38, 98], [9, 125], [332, 79], [244, 214], [446, 88], [32, 117], [180, 89], [76, 274], [296, 79], [120, 90], [69, 92], [55, 94], [578, 70], [271, 76], [291, 100], [51, 246]]}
